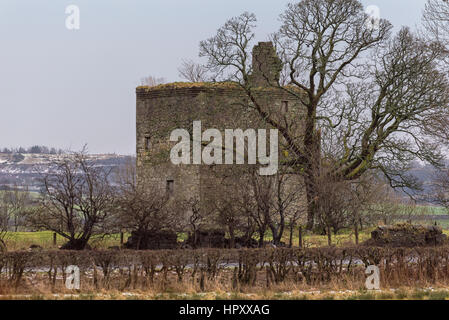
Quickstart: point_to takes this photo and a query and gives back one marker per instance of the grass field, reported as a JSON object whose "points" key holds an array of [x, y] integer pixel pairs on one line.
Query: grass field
{"points": [[23, 240]]}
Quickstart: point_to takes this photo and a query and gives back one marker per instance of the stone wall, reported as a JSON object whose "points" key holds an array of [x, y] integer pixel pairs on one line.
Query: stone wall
{"points": [[163, 108]]}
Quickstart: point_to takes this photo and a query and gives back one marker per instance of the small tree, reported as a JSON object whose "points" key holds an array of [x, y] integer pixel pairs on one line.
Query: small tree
{"points": [[436, 19], [15, 202], [229, 215], [440, 188], [75, 200], [363, 202], [247, 203], [5, 218], [192, 71], [332, 202], [198, 216], [152, 81], [389, 207], [142, 207]]}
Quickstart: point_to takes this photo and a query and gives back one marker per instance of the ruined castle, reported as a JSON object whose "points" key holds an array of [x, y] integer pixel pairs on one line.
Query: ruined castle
{"points": [[163, 108]]}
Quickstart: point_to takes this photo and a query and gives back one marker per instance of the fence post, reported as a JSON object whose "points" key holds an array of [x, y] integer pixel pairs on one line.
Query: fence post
{"points": [[54, 238], [121, 238], [300, 237]]}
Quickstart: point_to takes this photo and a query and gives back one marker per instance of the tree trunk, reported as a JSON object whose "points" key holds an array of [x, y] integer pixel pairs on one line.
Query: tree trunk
{"points": [[312, 144], [75, 244], [232, 237], [195, 235], [311, 208], [281, 227], [329, 236], [356, 233], [261, 238], [3, 247], [290, 240], [276, 235], [139, 239]]}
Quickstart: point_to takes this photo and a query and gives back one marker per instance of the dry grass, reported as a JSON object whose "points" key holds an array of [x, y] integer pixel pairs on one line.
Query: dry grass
{"points": [[403, 293], [16, 241], [259, 275]]}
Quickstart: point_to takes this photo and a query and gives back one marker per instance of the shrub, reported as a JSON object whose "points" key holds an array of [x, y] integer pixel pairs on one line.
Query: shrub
{"points": [[234, 269]]}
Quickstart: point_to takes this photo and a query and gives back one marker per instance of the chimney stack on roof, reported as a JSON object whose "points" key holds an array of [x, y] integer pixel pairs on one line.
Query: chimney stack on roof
{"points": [[266, 65]]}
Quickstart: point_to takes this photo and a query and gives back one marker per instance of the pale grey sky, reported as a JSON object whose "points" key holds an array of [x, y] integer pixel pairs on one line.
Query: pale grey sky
{"points": [[64, 88]]}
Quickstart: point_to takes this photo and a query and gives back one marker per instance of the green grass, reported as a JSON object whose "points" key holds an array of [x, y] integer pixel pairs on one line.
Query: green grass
{"points": [[420, 294], [362, 296], [23, 240], [439, 295], [33, 194]]}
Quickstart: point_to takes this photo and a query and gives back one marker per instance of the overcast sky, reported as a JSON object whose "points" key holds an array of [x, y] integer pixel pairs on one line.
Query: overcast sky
{"points": [[64, 88]]}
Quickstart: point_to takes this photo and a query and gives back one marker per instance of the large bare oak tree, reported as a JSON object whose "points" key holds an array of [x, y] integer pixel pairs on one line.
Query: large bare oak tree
{"points": [[381, 99]]}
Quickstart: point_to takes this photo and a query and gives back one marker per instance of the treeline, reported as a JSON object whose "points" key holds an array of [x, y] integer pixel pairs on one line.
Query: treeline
{"points": [[33, 150]]}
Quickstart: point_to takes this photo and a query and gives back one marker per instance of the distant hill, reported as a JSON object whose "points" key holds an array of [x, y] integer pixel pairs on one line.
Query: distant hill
{"points": [[22, 169]]}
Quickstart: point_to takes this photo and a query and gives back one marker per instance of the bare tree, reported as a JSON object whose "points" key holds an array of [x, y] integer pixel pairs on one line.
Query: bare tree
{"points": [[248, 203], [5, 218], [198, 217], [13, 206], [363, 201], [193, 72], [14, 203], [227, 205], [233, 205], [75, 200], [278, 200], [260, 191], [440, 188], [391, 208], [436, 19], [152, 81], [142, 207], [331, 203], [436, 23], [383, 96]]}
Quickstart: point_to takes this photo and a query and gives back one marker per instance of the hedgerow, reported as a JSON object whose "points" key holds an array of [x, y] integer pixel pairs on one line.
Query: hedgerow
{"points": [[229, 269]]}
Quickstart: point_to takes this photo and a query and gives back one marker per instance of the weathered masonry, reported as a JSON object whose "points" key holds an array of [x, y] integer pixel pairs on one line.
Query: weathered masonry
{"points": [[163, 108]]}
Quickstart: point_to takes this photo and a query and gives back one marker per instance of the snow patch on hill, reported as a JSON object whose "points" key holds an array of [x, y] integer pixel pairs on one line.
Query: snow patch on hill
{"points": [[24, 170]]}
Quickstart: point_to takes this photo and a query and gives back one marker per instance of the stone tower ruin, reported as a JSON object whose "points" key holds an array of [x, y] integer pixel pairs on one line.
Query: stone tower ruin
{"points": [[221, 105]]}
